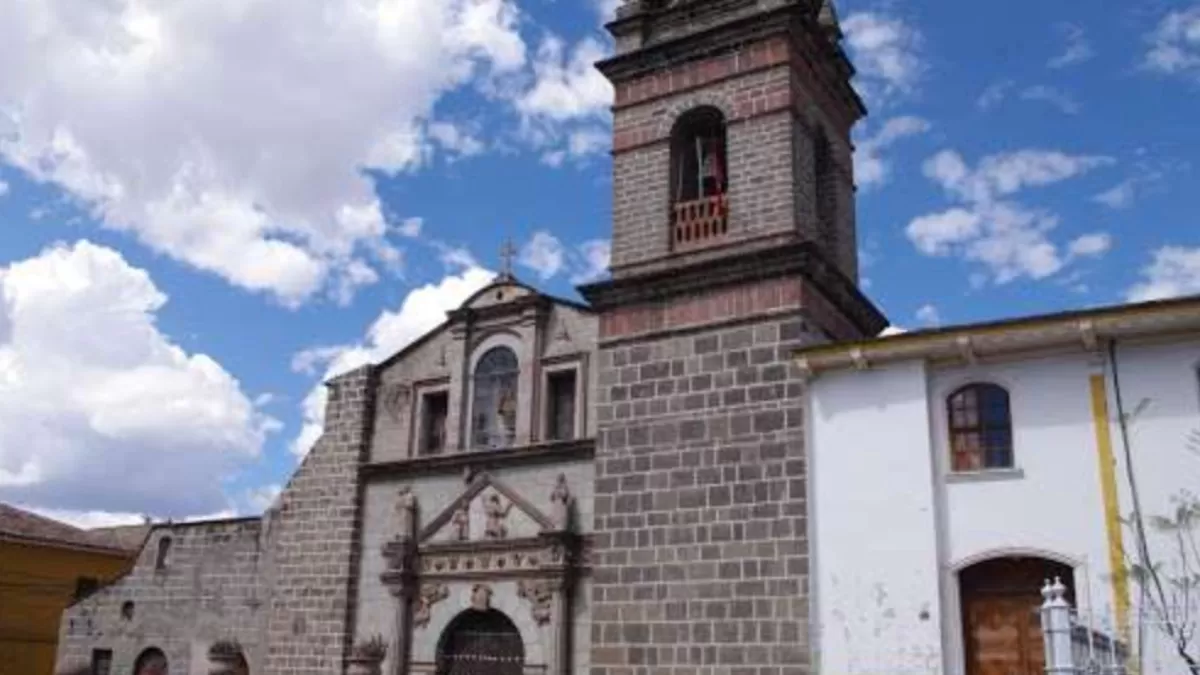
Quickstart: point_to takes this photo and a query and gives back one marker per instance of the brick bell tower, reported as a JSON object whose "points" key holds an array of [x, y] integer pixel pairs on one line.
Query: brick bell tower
{"points": [[733, 244]]}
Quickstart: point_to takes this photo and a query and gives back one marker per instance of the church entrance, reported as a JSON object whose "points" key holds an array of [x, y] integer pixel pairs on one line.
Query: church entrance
{"points": [[481, 642], [1002, 633]]}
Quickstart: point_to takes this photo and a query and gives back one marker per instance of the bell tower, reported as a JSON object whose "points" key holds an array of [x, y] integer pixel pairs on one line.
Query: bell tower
{"points": [[731, 131], [733, 245]]}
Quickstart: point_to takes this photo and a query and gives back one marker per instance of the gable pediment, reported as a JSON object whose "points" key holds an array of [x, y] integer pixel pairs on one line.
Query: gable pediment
{"points": [[487, 510]]}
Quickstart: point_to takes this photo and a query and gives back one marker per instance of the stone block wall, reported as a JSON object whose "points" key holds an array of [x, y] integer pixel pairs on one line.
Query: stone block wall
{"points": [[701, 562], [315, 528], [210, 589]]}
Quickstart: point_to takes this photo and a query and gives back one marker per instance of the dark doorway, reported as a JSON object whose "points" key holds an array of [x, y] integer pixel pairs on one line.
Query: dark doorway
{"points": [[1002, 632], [480, 642], [151, 662]]}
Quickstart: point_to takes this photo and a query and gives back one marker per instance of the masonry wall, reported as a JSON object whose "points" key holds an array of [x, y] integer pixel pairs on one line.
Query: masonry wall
{"points": [[701, 560], [210, 589], [314, 530]]}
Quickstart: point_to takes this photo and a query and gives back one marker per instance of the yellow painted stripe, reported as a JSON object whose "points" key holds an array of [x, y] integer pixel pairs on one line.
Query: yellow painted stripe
{"points": [[1112, 514]]}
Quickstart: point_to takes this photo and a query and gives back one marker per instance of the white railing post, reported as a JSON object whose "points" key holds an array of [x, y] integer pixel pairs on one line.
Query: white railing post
{"points": [[1056, 628]]}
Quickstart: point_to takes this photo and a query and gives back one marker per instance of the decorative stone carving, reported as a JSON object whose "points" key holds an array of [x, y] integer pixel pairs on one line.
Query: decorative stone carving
{"points": [[366, 658], [430, 595], [406, 511], [394, 396], [540, 595], [481, 597], [462, 522], [560, 504], [496, 513]]}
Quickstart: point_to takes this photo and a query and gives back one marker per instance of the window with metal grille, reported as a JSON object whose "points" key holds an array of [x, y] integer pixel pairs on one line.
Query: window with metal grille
{"points": [[980, 428], [101, 661]]}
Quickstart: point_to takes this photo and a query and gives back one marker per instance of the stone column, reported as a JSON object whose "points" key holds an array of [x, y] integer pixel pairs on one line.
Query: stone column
{"points": [[401, 580]]}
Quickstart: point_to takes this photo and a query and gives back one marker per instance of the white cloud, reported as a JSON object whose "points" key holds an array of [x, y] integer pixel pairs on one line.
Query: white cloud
{"points": [[3, 188], [260, 499], [593, 261], [411, 227], [893, 330], [1054, 96], [543, 254], [423, 309], [928, 315], [100, 411], [1172, 271], [1090, 245], [1076, 51], [886, 50], [566, 110], [1175, 44], [994, 94], [455, 139], [1119, 196], [87, 519], [284, 104], [1007, 238], [871, 169]]}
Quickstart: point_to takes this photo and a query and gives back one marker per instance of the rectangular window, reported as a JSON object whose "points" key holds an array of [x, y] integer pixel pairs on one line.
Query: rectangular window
{"points": [[560, 398], [434, 408], [101, 661]]}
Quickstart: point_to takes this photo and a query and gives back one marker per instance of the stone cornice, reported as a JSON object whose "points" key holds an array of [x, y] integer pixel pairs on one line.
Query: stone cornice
{"points": [[482, 460], [799, 258]]}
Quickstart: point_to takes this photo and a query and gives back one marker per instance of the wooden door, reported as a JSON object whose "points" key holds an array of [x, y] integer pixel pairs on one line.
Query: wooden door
{"points": [[1003, 635]]}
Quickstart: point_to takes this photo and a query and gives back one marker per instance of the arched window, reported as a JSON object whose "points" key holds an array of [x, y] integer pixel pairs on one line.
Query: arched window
{"points": [[481, 641], [162, 558], [699, 178], [494, 404], [150, 662], [825, 191], [980, 428]]}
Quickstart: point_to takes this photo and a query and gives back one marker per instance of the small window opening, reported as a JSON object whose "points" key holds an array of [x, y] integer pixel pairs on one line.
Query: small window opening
{"points": [[101, 661], [560, 416], [434, 409], [85, 586], [699, 176], [980, 428], [164, 554], [127, 610]]}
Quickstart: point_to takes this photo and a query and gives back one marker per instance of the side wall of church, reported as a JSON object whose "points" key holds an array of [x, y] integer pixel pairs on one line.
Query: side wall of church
{"points": [[210, 589], [701, 550]]}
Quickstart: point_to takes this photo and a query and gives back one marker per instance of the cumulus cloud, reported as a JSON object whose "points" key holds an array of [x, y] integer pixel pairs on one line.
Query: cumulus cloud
{"points": [[871, 168], [986, 226], [1172, 271], [1119, 196], [1090, 245], [886, 51], [99, 410], [231, 134], [543, 254], [423, 309], [928, 315], [3, 188], [566, 110], [1076, 50], [592, 261], [1175, 44], [994, 94]]}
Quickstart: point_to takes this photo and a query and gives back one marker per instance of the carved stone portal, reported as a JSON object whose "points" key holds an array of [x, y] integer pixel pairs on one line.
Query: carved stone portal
{"points": [[540, 595], [430, 595]]}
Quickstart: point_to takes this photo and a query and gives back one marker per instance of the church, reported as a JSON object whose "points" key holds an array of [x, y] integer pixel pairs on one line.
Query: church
{"points": [[711, 465]]}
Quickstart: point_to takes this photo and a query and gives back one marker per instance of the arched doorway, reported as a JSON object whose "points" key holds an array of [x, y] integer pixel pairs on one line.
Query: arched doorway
{"points": [[480, 642], [1002, 632], [150, 662]]}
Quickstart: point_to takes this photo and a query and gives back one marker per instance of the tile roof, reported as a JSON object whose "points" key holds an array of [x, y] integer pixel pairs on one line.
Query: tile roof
{"points": [[20, 525]]}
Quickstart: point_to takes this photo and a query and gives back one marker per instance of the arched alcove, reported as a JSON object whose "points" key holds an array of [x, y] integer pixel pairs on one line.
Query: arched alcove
{"points": [[480, 642]]}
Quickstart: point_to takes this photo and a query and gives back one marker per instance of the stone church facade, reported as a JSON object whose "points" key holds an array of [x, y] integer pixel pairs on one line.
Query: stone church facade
{"points": [[543, 486]]}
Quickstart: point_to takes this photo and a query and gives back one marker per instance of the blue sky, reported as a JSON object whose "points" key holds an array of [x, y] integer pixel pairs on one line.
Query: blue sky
{"points": [[210, 205]]}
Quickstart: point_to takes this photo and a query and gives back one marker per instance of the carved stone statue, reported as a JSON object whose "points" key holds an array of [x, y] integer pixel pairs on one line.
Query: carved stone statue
{"points": [[406, 511], [540, 595], [462, 522], [481, 597], [429, 596], [560, 504], [496, 513]]}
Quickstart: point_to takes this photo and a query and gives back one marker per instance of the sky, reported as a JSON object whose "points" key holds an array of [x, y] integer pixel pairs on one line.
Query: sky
{"points": [[207, 207]]}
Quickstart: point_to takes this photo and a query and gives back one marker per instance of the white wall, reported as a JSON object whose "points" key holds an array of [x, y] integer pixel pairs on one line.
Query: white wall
{"points": [[876, 591]]}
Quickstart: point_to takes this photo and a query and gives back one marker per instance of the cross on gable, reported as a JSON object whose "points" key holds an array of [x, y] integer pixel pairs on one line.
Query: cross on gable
{"points": [[507, 253]]}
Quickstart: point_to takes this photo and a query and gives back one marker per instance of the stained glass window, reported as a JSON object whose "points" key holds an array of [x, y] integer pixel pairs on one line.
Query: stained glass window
{"points": [[980, 428], [494, 406]]}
